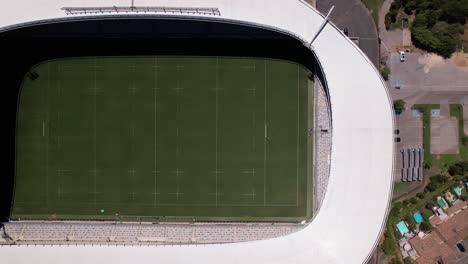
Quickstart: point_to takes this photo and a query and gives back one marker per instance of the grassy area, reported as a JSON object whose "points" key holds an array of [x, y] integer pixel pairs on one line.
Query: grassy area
{"points": [[425, 109], [374, 8], [456, 110], [168, 138]]}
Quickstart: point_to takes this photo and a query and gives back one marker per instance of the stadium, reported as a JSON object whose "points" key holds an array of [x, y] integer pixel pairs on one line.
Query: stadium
{"points": [[222, 131]]}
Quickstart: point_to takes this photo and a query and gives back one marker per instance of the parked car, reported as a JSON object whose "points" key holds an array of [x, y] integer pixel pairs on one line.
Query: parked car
{"points": [[345, 31], [461, 247], [402, 56]]}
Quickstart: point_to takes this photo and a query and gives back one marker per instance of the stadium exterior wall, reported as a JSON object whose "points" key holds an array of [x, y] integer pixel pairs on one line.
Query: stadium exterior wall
{"points": [[362, 151]]}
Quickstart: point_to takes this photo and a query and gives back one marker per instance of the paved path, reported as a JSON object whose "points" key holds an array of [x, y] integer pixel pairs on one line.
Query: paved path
{"points": [[394, 38], [353, 15]]}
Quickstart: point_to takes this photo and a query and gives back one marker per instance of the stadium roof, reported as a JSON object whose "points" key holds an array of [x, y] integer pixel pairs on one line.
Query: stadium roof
{"points": [[361, 159]]}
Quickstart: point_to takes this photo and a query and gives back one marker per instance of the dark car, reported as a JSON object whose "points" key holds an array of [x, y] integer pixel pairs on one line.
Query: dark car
{"points": [[460, 247], [345, 31]]}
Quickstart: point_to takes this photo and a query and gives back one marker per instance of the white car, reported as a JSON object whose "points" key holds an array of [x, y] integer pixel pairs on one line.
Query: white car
{"points": [[402, 56]]}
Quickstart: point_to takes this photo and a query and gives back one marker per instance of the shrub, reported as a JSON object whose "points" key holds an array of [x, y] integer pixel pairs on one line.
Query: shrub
{"points": [[458, 168], [399, 106], [413, 200], [420, 195], [385, 72], [430, 204], [407, 260], [464, 197], [425, 226]]}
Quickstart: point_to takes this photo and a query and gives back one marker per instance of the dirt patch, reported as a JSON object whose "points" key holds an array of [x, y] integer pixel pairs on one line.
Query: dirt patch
{"points": [[460, 59], [431, 60], [444, 135]]}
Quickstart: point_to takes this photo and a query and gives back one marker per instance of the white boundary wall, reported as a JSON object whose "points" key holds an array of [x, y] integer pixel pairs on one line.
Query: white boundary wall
{"points": [[353, 213]]}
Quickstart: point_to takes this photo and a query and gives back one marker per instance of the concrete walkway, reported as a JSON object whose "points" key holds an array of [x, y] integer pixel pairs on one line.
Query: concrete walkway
{"points": [[352, 14]]}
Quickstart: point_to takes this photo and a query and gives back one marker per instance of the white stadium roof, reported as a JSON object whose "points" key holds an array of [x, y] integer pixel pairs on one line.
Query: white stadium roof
{"points": [[347, 227]]}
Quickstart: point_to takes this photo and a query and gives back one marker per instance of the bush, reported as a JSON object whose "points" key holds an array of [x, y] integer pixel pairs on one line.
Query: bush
{"points": [[399, 106], [407, 260], [420, 195], [425, 226], [458, 168], [430, 204], [414, 200], [395, 261], [464, 197], [464, 140], [385, 72]]}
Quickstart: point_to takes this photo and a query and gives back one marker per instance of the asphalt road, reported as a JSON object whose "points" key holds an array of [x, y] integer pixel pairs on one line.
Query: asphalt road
{"points": [[355, 16]]}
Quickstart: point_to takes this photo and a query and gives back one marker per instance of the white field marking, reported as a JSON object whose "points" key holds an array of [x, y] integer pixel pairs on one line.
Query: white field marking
{"points": [[155, 193], [297, 144], [253, 90], [253, 127], [133, 195], [47, 138], [177, 172], [133, 67], [216, 130], [155, 89], [177, 193], [252, 172], [170, 204], [249, 67], [132, 89], [59, 192], [264, 142], [252, 194], [132, 172], [178, 88], [95, 124], [59, 118]]}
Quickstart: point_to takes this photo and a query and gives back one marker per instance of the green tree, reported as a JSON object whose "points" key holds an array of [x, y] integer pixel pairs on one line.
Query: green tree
{"points": [[420, 195], [414, 200], [385, 72], [464, 197], [399, 106], [407, 260], [430, 204], [425, 226]]}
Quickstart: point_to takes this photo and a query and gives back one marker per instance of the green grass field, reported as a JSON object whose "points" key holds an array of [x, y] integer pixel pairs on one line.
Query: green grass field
{"points": [[165, 139]]}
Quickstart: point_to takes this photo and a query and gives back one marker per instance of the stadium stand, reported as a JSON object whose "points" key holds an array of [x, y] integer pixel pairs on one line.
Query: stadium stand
{"points": [[140, 233]]}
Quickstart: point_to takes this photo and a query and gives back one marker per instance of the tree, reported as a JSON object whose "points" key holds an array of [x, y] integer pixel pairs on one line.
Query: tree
{"points": [[407, 260], [458, 168], [399, 106], [395, 261], [385, 72], [420, 195], [425, 226], [424, 39], [430, 204], [413, 200], [464, 197]]}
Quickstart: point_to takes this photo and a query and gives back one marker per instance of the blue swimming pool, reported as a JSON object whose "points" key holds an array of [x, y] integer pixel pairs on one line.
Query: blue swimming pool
{"points": [[418, 217], [402, 227], [457, 190], [441, 202]]}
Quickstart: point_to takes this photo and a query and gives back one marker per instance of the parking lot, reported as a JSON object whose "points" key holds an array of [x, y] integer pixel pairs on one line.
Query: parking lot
{"points": [[427, 79]]}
